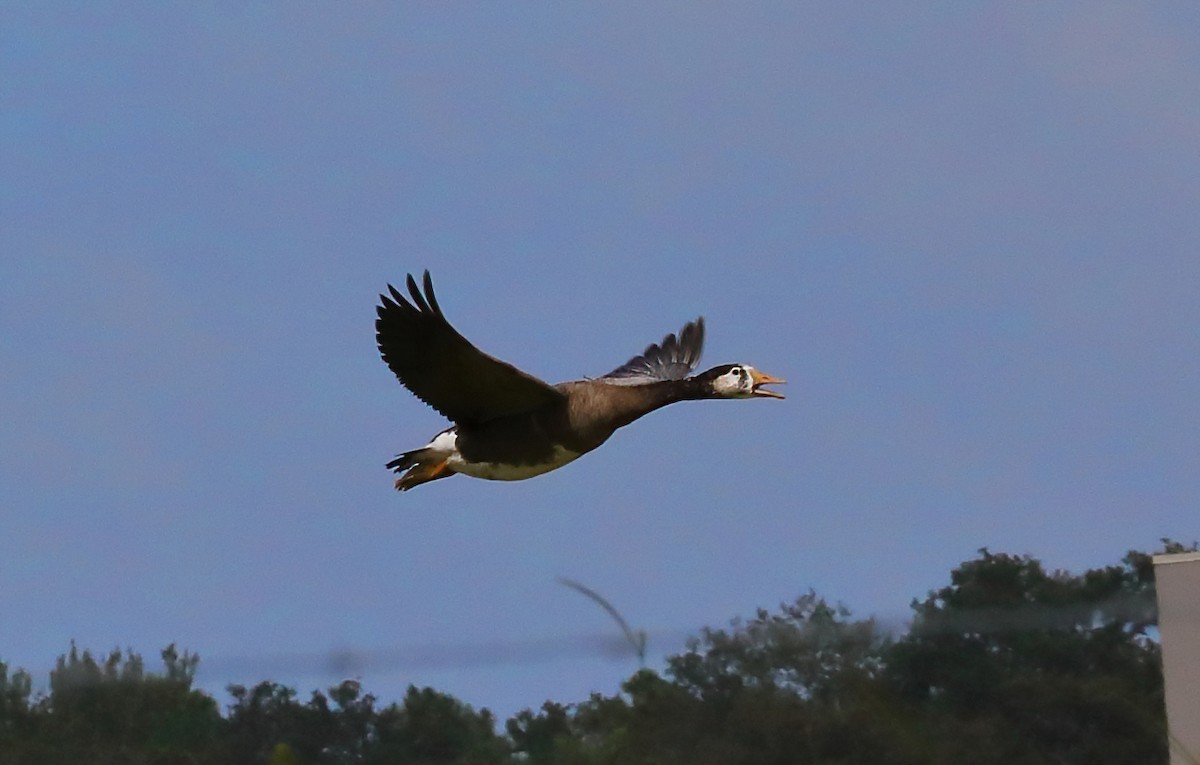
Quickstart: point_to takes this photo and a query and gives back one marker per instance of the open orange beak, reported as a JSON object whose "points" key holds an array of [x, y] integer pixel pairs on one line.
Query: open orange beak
{"points": [[760, 379]]}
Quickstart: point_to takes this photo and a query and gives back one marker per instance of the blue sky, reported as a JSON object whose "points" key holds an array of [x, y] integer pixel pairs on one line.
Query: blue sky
{"points": [[965, 233]]}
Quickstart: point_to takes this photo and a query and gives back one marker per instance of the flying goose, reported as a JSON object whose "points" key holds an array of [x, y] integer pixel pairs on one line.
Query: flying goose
{"points": [[509, 425]]}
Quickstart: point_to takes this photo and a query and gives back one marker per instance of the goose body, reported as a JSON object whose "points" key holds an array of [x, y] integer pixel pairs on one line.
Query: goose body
{"points": [[509, 425]]}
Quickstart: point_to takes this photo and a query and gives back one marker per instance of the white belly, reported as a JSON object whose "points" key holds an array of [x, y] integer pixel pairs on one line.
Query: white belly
{"points": [[499, 472], [445, 446]]}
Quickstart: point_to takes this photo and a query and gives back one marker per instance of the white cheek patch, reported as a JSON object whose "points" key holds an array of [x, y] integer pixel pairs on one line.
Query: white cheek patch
{"points": [[734, 385], [727, 384]]}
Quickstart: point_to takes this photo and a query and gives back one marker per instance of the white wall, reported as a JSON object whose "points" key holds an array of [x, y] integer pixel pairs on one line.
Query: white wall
{"points": [[1178, 584]]}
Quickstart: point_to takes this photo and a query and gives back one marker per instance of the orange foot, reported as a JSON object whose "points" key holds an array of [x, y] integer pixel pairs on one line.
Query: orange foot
{"points": [[420, 474]]}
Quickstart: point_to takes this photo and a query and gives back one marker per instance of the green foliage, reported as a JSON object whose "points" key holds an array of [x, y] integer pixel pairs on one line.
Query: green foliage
{"points": [[431, 728], [537, 736], [1008, 663], [806, 649], [267, 724], [1036, 666], [800, 686], [113, 711], [16, 720]]}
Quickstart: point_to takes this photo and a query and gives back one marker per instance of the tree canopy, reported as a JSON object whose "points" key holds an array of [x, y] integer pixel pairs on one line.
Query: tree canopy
{"points": [[1008, 663]]}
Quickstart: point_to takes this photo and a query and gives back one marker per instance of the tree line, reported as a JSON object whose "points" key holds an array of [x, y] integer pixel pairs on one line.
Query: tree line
{"points": [[1008, 663]]}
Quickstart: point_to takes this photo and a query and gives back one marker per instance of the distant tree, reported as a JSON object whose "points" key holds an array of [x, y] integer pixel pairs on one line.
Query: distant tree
{"points": [[809, 648], [349, 720], [263, 718], [16, 719], [536, 736], [113, 711], [800, 686], [1013, 664], [431, 728], [1009, 663], [268, 725]]}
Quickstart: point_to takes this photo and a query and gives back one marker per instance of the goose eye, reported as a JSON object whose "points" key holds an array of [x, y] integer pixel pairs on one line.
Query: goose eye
{"points": [[737, 371]]}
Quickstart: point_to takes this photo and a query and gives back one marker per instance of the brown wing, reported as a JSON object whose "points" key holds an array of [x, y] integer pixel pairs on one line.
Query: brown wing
{"points": [[673, 359], [443, 369]]}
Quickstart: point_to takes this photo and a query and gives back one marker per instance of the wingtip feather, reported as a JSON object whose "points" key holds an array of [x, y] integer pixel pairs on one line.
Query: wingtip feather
{"points": [[433, 303], [397, 298], [417, 298]]}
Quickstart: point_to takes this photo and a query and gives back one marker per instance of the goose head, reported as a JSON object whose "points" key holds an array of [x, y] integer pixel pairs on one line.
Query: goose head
{"points": [[738, 381]]}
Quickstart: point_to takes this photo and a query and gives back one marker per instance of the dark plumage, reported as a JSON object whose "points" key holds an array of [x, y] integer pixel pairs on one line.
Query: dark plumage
{"points": [[509, 425]]}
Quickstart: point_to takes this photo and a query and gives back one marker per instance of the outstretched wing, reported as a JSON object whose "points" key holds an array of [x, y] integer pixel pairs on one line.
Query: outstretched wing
{"points": [[443, 369], [673, 359]]}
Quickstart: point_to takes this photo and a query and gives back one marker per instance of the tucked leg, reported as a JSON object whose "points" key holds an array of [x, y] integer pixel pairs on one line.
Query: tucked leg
{"points": [[423, 473]]}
